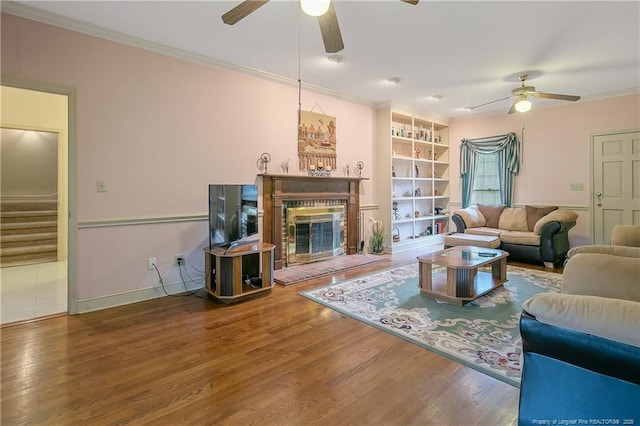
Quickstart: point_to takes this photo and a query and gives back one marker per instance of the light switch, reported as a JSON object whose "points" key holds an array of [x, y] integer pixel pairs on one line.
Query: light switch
{"points": [[576, 187], [102, 186]]}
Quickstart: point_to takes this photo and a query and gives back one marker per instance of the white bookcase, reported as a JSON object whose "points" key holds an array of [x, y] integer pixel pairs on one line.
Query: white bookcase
{"points": [[413, 174]]}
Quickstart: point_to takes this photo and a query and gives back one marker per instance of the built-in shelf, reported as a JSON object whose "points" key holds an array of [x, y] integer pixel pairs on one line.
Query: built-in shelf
{"points": [[414, 178]]}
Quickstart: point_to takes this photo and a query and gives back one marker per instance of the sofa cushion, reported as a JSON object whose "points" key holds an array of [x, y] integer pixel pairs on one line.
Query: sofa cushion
{"points": [[471, 216], [513, 219], [483, 230], [534, 214], [623, 251], [625, 235], [520, 237], [602, 275], [491, 214], [612, 319], [561, 215]]}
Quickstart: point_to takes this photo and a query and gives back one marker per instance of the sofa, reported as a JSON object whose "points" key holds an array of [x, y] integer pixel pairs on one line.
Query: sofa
{"points": [[530, 234], [588, 336]]}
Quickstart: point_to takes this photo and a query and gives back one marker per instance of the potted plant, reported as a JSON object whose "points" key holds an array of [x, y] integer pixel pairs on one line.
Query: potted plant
{"points": [[377, 237]]}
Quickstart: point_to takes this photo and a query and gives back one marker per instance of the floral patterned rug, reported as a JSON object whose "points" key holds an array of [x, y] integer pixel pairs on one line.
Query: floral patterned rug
{"points": [[483, 334]]}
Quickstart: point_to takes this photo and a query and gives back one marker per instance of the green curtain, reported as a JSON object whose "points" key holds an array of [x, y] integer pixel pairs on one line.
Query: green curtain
{"points": [[507, 147]]}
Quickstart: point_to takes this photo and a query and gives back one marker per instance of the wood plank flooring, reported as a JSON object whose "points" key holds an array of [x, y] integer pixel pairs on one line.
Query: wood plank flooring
{"points": [[276, 360]]}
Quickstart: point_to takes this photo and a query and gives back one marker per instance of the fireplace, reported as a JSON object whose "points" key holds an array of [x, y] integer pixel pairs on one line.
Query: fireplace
{"points": [[283, 194], [314, 233]]}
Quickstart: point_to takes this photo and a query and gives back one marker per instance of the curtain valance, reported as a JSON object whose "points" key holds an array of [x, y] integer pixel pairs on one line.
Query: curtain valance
{"points": [[506, 147]]}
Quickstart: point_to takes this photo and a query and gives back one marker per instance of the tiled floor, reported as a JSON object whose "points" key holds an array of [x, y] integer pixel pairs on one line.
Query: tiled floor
{"points": [[32, 291]]}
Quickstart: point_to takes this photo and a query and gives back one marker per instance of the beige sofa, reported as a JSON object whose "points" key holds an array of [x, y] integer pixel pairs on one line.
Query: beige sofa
{"points": [[530, 234]]}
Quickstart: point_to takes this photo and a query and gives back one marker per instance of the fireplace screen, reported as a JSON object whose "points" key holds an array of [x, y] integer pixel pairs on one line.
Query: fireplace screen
{"points": [[315, 233]]}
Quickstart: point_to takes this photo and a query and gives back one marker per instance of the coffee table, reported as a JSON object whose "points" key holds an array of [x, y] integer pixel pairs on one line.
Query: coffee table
{"points": [[463, 281]]}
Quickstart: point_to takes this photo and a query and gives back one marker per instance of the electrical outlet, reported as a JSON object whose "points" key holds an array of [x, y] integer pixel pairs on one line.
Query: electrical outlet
{"points": [[576, 187], [180, 259], [101, 186], [152, 261]]}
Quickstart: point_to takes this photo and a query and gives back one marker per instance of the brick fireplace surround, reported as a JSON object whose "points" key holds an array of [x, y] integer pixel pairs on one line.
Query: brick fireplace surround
{"points": [[282, 191]]}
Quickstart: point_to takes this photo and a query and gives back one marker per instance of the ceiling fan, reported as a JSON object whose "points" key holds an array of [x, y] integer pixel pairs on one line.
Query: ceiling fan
{"points": [[327, 19], [520, 94]]}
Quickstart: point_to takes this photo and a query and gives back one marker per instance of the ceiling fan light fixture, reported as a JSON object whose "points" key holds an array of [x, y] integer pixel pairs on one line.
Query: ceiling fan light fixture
{"points": [[523, 105], [393, 80], [315, 7]]}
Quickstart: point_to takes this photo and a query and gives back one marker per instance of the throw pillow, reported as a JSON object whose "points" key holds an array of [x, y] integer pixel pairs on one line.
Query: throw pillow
{"points": [[491, 214], [513, 219], [534, 214], [471, 217]]}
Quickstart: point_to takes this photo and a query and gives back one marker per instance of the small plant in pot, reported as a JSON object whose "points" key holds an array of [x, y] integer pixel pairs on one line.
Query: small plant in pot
{"points": [[377, 237]]}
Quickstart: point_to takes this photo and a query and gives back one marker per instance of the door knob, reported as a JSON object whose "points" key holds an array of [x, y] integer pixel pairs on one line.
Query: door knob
{"points": [[599, 201]]}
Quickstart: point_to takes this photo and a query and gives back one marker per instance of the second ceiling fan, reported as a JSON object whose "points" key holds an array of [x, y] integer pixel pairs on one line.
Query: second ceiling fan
{"points": [[328, 20], [520, 94]]}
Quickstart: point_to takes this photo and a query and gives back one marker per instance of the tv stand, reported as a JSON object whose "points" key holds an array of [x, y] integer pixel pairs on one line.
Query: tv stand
{"points": [[228, 269]]}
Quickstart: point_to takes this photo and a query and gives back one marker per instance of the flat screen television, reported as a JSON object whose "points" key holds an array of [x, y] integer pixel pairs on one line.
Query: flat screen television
{"points": [[233, 214]]}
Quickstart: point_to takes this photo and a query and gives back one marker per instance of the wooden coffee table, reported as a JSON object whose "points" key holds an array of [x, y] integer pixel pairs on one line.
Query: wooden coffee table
{"points": [[463, 282]]}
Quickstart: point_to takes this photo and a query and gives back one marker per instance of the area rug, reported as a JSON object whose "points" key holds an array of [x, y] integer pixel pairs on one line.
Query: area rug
{"points": [[294, 274], [483, 334]]}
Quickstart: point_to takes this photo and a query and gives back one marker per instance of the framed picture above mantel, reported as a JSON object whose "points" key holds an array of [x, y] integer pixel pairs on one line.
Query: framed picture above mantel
{"points": [[317, 141]]}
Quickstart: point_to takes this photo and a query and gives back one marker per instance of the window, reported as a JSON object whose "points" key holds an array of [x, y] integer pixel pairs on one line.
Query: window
{"points": [[486, 182]]}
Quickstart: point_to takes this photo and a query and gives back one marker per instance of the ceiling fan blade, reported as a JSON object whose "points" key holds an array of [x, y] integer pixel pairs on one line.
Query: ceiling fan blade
{"points": [[513, 108], [331, 31], [487, 103], [242, 10], [556, 96], [413, 2]]}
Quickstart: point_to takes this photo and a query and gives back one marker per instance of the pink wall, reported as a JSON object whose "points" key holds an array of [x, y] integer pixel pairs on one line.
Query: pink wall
{"points": [[158, 130], [556, 150]]}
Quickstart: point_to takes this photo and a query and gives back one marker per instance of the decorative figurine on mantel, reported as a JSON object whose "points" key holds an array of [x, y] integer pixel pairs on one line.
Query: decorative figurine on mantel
{"points": [[262, 162], [285, 166], [359, 168], [319, 170]]}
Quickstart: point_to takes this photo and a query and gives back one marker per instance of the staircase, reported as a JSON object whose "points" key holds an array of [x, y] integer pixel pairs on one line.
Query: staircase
{"points": [[28, 232]]}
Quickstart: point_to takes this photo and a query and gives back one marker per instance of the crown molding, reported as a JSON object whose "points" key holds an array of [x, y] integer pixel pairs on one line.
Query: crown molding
{"points": [[24, 11]]}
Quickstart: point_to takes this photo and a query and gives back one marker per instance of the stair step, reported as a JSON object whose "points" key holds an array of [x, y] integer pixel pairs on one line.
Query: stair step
{"points": [[29, 225], [16, 251], [7, 206], [28, 237], [27, 243], [30, 216], [19, 231]]}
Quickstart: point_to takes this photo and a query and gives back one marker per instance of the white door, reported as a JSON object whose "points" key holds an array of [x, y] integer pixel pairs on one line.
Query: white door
{"points": [[616, 183]]}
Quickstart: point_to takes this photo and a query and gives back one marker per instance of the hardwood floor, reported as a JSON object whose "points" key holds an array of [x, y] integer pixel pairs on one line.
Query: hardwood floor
{"points": [[278, 359]]}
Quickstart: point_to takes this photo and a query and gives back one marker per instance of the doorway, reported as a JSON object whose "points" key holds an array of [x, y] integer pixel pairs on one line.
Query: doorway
{"points": [[35, 134], [616, 188]]}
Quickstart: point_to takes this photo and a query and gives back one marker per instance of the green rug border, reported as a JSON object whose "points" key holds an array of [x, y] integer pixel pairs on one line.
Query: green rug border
{"points": [[507, 380]]}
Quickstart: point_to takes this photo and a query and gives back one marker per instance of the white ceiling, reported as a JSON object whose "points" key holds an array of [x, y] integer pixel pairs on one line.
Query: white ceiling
{"points": [[469, 52]]}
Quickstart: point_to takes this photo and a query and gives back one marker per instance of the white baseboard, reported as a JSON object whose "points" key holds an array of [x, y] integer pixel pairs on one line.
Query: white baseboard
{"points": [[133, 296]]}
